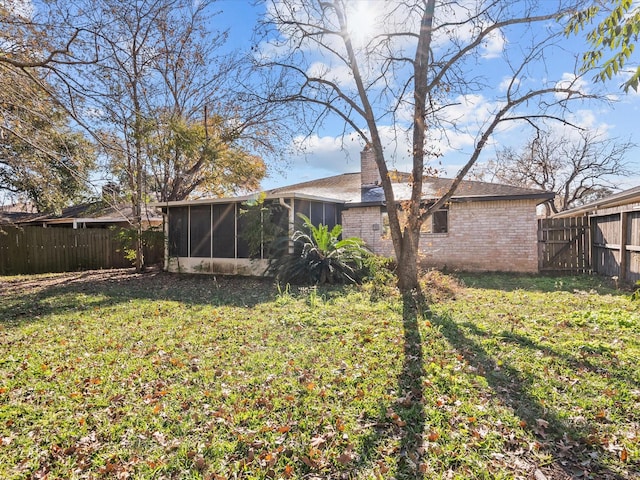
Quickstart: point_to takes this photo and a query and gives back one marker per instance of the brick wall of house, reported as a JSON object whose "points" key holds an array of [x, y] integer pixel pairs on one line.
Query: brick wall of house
{"points": [[366, 223], [482, 236]]}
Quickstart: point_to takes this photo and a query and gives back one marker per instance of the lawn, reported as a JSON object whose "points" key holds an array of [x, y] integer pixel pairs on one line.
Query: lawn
{"points": [[117, 375]]}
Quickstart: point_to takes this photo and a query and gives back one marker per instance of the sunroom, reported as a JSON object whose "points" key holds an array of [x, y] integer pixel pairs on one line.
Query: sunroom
{"points": [[224, 236]]}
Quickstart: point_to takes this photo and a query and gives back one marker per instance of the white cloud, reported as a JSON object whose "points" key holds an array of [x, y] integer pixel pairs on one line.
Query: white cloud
{"points": [[470, 110], [23, 8], [341, 74], [506, 82], [573, 82], [493, 46]]}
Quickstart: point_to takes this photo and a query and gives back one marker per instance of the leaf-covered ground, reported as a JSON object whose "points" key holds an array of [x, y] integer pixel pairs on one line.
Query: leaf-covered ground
{"points": [[116, 375]]}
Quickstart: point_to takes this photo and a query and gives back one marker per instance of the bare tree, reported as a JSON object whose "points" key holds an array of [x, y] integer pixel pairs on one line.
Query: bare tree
{"points": [[148, 93], [197, 124], [410, 69], [577, 169]]}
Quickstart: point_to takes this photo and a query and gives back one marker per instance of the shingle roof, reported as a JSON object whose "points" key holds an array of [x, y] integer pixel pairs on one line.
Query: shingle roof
{"points": [[95, 211], [347, 188]]}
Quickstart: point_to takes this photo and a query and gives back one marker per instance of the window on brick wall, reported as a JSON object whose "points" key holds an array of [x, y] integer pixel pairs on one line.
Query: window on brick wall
{"points": [[437, 223]]}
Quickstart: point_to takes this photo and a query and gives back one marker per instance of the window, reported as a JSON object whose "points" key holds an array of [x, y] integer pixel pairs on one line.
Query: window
{"points": [[437, 223], [243, 244], [303, 207], [330, 215]]}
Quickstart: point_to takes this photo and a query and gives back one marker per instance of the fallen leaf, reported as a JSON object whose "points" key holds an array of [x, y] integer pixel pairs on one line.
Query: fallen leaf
{"points": [[199, 463], [318, 441], [542, 423], [346, 457], [538, 475], [160, 438], [624, 455]]}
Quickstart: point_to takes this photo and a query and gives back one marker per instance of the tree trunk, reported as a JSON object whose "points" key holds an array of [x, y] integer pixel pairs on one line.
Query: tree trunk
{"points": [[408, 263]]}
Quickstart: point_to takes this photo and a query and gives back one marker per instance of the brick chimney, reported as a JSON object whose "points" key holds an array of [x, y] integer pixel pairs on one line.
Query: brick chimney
{"points": [[369, 174]]}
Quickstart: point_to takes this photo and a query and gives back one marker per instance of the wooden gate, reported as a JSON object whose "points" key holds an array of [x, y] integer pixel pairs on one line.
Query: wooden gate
{"points": [[564, 245]]}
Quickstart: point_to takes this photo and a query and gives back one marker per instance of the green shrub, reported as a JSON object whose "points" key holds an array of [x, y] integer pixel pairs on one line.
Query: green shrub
{"points": [[152, 238], [319, 256], [635, 296], [380, 280]]}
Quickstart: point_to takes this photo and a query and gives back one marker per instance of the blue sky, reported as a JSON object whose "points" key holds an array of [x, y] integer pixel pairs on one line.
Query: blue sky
{"points": [[328, 153]]}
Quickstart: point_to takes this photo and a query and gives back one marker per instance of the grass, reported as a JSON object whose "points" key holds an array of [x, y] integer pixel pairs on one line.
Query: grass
{"points": [[115, 375]]}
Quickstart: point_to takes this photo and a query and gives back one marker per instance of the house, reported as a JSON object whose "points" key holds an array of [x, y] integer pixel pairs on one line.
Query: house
{"points": [[613, 233], [92, 215], [12, 214], [484, 227]]}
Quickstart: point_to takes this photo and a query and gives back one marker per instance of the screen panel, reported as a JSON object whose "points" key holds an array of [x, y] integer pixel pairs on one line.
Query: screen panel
{"points": [[200, 229], [224, 231], [178, 232]]}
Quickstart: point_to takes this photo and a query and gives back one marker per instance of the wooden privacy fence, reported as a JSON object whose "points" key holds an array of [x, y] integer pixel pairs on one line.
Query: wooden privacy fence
{"points": [[41, 250], [564, 245], [616, 245]]}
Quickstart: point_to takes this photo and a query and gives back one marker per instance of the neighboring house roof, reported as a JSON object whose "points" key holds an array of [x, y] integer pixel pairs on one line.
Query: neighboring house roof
{"points": [[625, 197], [95, 213], [16, 212], [347, 188], [16, 217]]}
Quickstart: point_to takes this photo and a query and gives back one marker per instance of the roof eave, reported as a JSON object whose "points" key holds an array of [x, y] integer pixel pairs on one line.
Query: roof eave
{"points": [[245, 198], [540, 197], [594, 207]]}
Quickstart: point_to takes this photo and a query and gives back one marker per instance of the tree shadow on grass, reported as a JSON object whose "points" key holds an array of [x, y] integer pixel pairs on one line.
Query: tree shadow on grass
{"points": [[576, 363], [26, 299], [403, 420], [512, 387], [410, 407]]}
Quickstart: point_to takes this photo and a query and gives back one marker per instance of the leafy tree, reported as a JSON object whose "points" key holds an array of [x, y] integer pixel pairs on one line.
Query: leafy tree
{"points": [[42, 159], [198, 159], [577, 169], [319, 256], [617, 32], [407, 67]]}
